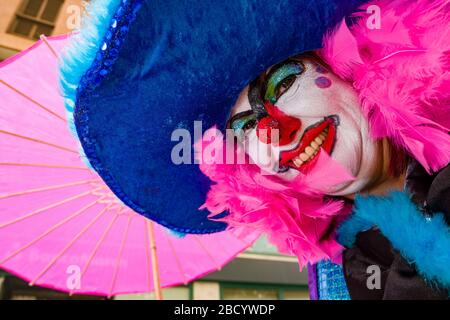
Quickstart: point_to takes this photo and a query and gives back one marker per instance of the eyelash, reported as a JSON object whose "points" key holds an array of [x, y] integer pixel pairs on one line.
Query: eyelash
{"points": [[244, 123], [248, 121], [291, 82], [286, 96], [292, 71]]}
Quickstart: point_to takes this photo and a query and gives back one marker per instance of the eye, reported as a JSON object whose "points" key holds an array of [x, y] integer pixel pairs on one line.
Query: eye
{"points": [[285, 85], [243, 121], [282, 79], [250, 124]]}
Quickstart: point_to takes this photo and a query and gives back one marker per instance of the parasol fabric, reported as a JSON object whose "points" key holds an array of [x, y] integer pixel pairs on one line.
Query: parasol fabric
{"points": [[60, 225]]}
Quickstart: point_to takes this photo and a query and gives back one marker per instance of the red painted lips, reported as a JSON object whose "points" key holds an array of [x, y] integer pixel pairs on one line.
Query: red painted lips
{"points": [[304, 156]]}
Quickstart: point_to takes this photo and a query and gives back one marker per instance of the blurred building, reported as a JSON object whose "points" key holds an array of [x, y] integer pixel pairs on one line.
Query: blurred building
{"points": [[23, 21], [259, 273]]}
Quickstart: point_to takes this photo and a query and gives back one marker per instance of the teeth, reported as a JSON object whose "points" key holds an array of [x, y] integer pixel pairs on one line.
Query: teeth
{"points": [[312, 150], [304, 157], [298, 162], [318, 140], [309, 151]]}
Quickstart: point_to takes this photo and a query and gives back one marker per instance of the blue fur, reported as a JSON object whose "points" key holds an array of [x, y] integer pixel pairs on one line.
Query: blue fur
{"points": [[81, 53], [350, 228], [176, 234], [423, 241]]}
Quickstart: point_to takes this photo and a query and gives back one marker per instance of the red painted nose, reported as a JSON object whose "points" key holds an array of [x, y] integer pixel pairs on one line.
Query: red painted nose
{"points": [[287, 126]]}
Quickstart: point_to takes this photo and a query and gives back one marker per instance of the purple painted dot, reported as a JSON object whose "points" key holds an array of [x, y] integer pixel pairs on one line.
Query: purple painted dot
{"points": [[323, 82], [321, 69]]}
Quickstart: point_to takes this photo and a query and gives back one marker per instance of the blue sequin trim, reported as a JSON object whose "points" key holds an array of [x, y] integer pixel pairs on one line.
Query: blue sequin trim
{"points": [[330, 282], [100, 68]]}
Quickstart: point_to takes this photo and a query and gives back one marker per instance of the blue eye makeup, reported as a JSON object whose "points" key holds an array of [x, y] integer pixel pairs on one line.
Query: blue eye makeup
{"points": [[282, 79], [243, 121]]}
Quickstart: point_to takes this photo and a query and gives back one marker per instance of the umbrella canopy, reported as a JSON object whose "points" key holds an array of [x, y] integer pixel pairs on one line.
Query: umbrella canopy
{"points": [[60, 225]]}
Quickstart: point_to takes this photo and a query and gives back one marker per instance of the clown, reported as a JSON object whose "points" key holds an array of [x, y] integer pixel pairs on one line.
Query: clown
{"points": [[357, 173], [316, 111]]}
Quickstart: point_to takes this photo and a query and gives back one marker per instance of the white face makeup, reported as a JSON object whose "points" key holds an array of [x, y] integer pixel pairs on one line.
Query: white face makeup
{"points": [[315, 112]]}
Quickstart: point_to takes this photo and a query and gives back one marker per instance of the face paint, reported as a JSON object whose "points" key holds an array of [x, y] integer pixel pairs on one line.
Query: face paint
{"points": [[270, 117], [243, 121], [281, 80], [321, 69], [323, 82], [277, 120], [328, 121]]}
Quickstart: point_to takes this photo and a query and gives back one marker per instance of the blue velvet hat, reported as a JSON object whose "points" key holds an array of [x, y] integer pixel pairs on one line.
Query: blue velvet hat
{"points": [[139, 69]]}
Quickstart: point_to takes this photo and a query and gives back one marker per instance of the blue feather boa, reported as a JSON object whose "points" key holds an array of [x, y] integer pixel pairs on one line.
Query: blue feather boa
{"points": [[81, 53], [424, 242], [84, 46]]}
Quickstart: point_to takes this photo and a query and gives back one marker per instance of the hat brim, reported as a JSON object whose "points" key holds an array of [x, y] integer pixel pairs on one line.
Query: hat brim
{"points": [[160, 65]]}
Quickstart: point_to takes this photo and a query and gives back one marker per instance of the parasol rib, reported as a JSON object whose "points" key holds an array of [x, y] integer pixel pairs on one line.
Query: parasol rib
{"points": [[177, 260], [155, 267], [240, 240], [97, 246], [49, 188], [32, 100], [40, 165], [53, 205], [70, 244], [207, 252], [53, 51], [39, 141], [119, 256], [148, 257], [47, 232]]}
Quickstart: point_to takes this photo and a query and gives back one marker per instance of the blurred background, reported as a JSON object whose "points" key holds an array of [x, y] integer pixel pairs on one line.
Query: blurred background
{"points": [[258, 273]]}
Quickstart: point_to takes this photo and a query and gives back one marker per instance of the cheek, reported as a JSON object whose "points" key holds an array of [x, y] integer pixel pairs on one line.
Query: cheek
{"points": [[264, 155], [318, 94], [348, 147], [313, 101]]}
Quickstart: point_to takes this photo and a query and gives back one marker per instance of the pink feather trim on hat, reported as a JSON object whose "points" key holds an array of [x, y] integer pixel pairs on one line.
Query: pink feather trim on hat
{"points": [[401, 73]]}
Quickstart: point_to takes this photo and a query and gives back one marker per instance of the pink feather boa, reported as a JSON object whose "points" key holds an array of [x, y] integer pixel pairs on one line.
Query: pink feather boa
{"points": [[401, 73]]}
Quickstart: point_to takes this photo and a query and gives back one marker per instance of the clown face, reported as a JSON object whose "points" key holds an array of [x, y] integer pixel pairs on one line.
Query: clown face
{"points": [[312, 111]]}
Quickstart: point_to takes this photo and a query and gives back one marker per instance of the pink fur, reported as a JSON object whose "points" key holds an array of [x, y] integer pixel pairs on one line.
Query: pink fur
{"points": [[296, 217], [401, 73]]}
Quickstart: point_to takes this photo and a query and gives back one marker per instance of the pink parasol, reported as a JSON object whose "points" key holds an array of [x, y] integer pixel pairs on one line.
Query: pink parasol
{"points": [[60, 225]]}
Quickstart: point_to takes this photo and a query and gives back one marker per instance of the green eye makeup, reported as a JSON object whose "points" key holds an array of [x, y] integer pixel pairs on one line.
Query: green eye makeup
{"points": [[278, 82], [281, 80], [243, 121]]}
